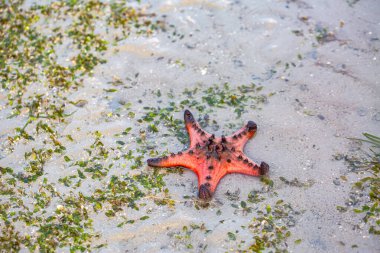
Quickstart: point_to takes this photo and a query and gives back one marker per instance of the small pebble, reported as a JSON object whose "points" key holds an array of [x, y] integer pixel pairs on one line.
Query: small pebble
{"points": [[362, 112], [304, 87], [321, 117], [190, 46], [238, 63], [336, 181], [377, 116]]}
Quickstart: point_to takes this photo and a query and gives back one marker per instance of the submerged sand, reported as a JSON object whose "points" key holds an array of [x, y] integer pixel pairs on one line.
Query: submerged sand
{"points": [[320, 60]]}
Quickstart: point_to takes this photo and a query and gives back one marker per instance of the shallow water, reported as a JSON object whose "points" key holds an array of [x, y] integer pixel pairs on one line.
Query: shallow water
{"points": [[323, 92]]}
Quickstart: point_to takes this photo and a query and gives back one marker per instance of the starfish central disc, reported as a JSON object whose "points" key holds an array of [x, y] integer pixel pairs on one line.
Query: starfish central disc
{"points": [[211, 158]]}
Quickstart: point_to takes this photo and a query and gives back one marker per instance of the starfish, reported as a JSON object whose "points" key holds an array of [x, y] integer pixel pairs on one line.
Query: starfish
{"points": [[211, 158]]}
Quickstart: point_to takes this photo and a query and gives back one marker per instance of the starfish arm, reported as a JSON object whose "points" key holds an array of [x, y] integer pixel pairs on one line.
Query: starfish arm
{"points": [[246, 166], [208, 180], [174, 160], [240, 137], [196, 133]]}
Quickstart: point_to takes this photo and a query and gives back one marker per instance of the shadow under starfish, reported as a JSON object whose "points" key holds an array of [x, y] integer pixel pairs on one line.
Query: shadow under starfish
{"points": [[211, 158]]}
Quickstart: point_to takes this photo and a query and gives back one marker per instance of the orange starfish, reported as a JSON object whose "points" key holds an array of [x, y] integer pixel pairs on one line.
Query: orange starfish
{"points": [[211, 158]]}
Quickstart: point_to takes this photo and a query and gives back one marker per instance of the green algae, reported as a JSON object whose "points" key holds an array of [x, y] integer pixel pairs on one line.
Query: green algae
{"points": [[47, 215], [29, 47], [270, 228], [218, 96], [367, 165]]}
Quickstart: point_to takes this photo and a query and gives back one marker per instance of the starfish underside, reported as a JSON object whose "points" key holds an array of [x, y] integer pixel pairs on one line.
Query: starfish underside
{"points": [[211, 158]]}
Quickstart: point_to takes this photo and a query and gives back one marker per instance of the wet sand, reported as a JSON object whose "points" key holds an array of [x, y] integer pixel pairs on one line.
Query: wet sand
{"points": [[321, 62]]}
